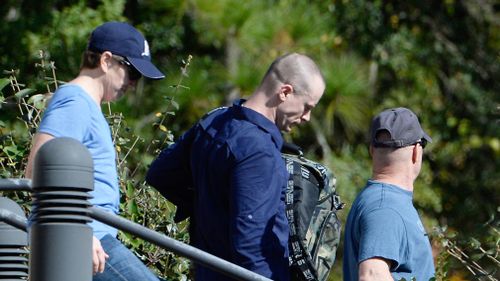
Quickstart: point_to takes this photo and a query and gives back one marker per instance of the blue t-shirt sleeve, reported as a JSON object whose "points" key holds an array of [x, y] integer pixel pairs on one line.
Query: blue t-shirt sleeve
{"points": [[67, 115], [255, 201], [382, 234]]}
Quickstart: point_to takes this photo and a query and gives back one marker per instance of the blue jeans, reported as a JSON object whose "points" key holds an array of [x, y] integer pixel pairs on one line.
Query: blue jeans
{"points": [[122, 264]]}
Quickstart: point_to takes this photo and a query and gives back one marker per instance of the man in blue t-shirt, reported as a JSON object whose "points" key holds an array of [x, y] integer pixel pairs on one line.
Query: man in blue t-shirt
{"points": [[227, 173], [384, 236], [117, 56]]}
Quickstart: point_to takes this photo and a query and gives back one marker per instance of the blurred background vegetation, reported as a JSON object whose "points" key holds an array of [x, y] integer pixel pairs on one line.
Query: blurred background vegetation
{"points": [[440, 58]]}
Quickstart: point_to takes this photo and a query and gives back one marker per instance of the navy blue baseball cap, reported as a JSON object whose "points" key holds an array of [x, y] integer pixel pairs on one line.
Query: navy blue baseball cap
{"points": [[122, 39], [401, 124]]}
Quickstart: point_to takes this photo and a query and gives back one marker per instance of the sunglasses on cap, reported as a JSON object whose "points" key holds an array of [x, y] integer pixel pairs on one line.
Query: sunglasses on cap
{"points": [[422, 142], [133, 74]]}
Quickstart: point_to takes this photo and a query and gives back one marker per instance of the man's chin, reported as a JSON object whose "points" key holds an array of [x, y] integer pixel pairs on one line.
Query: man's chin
{"points": [[120, 94]]}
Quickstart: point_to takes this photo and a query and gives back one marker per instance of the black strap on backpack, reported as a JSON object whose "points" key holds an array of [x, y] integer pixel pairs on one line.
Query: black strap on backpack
{"points": [[311, 206]]}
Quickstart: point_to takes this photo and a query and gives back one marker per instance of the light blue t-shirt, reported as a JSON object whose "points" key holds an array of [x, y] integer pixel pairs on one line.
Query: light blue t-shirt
{"points": [[384, 223], [73, 113]]}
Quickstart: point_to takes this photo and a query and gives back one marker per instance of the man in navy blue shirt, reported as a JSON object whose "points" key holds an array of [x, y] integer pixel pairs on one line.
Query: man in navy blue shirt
{"points": [[227, 173]]}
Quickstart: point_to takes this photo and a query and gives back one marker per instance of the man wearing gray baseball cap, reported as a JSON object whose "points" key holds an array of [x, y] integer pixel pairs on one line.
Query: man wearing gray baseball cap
{"points": [[384, 236], [117, 56]]}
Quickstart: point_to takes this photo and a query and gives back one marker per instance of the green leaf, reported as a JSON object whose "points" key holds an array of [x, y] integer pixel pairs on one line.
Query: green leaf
{"points": [[175, 105], [476, 257], [491, 252], [4, 82], [23, 93], [12, 149], [474, 243], [132, 207], [452, 235], [130, 189], [38, 101]]}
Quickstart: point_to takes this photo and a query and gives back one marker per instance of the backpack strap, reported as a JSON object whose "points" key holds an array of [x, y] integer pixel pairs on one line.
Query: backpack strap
{"points": [[298, 253], [290, 148], [306, 173]]}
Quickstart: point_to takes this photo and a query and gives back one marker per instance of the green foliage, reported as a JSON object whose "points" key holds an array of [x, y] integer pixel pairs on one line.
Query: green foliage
{"points": [[140, 203], [345, 106], [439, 58], [424, 62], [63, 33], [479, 258]]}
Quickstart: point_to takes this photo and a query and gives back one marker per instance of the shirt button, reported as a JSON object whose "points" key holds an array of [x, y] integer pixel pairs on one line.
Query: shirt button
{"points": [[250, 216]]}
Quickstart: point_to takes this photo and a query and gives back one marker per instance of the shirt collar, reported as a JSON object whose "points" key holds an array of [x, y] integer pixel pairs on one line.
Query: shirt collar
{"points": [[259, 120], [392, 186]]}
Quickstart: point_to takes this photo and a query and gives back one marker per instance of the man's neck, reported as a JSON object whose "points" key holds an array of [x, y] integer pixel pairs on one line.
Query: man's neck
{"points": [[259, 102], [90, 85], [401, 181]]}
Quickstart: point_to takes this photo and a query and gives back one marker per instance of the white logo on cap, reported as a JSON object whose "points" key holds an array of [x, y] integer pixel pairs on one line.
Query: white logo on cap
{"points": [[146, 49]]}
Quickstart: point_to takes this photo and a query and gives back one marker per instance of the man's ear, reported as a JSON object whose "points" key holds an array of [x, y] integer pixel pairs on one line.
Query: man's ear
{"points": [[284, 91], [105, 61], [415, 154]]}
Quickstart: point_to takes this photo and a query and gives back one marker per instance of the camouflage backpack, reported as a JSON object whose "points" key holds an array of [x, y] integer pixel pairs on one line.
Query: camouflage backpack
{"points": [[311, 209]]}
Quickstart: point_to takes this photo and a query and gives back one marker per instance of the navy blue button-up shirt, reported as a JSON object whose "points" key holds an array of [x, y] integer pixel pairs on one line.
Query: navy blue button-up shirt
{"points": [[228, 173]]}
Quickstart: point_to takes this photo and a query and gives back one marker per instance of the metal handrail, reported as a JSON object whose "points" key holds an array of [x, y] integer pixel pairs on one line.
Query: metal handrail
{"points": [[170, 244], [177, 247], [15, 184], [13, 219]]}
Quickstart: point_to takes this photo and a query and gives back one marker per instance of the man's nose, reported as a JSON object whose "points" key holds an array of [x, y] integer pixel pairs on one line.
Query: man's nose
{"points": [[306, 117]]}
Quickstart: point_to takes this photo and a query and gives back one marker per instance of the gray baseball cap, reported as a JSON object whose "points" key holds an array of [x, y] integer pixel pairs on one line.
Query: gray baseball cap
{"points": [[402, 125]]}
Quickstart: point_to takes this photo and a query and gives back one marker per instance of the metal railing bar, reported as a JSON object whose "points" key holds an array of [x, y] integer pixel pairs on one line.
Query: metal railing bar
{"points": [[177, 247], [182, 249], [15, 184], [13, 219]]}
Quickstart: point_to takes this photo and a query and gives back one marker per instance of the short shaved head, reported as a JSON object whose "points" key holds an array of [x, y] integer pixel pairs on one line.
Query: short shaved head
{"points": [[290, 89], [294, 69]]}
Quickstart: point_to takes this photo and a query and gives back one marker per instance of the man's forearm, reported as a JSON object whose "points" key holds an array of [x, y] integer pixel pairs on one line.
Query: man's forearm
{"points": [[375, 269]]}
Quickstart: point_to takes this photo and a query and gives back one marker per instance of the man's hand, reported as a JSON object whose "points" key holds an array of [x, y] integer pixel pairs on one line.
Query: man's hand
{"points": [[98, 256]]}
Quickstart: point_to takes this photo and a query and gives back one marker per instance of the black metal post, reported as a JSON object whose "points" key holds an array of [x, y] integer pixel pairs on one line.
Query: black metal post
{"points": [[13, 241], [177, 247], [61, 240]]}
